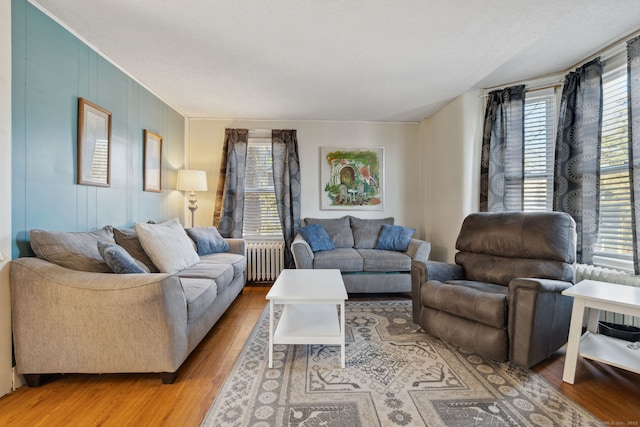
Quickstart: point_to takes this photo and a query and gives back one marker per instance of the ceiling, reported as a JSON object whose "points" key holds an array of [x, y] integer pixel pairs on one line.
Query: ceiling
{"points": [[353, 60]]}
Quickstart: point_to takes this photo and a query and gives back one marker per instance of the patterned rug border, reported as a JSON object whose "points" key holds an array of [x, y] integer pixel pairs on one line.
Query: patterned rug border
{"points": [[447, 412]]}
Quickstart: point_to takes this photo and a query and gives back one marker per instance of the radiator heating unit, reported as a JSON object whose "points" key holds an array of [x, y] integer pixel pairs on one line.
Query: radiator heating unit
{"points": [[602, 274], [265, 260]]}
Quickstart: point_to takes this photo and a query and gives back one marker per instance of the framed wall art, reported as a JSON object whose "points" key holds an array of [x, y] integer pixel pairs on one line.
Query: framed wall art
{"points": [[152, 162], [94, 144], [352, 178]]}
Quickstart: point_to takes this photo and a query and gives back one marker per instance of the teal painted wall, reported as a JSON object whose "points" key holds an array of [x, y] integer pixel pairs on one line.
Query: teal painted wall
{"points": [[51, 69]]}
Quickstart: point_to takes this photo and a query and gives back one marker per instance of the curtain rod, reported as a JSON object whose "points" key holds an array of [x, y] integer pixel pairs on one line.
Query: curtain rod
{"points": [[530, 89], [609, 47]]}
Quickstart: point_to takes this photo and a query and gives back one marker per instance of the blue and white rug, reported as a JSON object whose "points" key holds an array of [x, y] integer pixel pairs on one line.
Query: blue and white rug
{"points": [[395, 375]]}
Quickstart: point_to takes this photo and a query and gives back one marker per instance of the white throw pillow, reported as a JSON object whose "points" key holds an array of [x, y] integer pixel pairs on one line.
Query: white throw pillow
{"points": [[168, 245]]}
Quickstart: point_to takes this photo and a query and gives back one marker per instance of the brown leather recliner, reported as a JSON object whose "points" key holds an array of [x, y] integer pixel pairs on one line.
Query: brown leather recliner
{"points": [[502, 297]]}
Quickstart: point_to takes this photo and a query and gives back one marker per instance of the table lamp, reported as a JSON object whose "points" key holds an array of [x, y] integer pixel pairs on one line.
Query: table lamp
{"points": [[192, 180]]}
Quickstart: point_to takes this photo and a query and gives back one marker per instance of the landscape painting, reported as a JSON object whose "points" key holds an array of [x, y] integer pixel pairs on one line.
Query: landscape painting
{"points": [[352, 178]]}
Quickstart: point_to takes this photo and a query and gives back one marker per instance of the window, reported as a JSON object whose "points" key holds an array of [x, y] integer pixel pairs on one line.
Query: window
{"points": [[614, 247], [539, 140], [261, 218]]}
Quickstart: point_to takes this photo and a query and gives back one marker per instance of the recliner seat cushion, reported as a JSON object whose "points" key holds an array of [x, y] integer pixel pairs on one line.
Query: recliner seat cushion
{"points": [[477, 301], [344, 259], [385, 261]]}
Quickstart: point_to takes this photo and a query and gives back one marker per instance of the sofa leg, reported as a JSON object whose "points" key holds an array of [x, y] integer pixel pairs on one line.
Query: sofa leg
{"points": [[169, 377], [33, 380]]}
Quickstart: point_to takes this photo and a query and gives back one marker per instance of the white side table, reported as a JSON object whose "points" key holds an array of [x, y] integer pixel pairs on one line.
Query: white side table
{"points": [[598, 296], [311, 300]]}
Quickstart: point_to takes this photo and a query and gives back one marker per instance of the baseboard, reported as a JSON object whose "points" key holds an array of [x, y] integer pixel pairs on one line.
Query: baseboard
{"points": [[17, 380]]}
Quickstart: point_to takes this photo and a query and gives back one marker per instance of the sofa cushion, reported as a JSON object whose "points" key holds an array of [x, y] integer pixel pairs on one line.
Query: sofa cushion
{"points": [[317, 237], [199, 294], [239, 262], [222, 274], [394, 237], [207, 240], [339, 230], [128, 239], [477, 301], [386, 261], [366, 231], [341, 258], [168, 245], [119, 260], [74, 250]]}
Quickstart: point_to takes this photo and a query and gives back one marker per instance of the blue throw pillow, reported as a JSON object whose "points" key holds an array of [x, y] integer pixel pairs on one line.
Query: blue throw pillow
{"points": [[317, 237], [208, 240], [394, 237], [119, 260]]}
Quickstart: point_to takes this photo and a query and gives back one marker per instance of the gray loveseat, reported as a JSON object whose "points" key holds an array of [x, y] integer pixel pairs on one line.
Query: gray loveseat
{"points": [[364, 268], [503, 296], [70, 321]]}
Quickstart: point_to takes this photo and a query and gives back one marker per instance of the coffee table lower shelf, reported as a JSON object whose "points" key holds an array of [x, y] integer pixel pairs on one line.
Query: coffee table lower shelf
{"points": [[610, 351]]}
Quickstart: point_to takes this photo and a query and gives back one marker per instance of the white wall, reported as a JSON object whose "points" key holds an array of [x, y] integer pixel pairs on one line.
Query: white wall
{"points": [[5, 195], [401, 144], [453, 143]]}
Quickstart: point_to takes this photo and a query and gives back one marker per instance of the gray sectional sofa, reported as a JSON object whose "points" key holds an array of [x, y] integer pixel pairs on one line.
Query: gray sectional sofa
{"points": [[72, 314], [364, 268]]}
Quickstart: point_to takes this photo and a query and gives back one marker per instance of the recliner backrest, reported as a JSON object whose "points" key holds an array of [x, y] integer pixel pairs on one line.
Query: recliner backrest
{"points": [[498, 247]]}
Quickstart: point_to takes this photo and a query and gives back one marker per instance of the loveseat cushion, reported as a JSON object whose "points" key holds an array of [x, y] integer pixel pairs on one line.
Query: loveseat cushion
{"points": [[385, 261], [207, 240], [239, 262], [199, 294], [366, 231], [477, 301], [119, 260], [344, 259], [394, 237], [339, 230], [74, 250], [317, 237], [222, 274]]}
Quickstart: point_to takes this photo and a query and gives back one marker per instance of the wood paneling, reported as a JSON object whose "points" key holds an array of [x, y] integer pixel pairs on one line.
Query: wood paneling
{"points": [[141, 399]]}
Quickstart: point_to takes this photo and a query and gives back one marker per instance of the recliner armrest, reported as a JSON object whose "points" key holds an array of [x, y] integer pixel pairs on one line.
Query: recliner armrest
{"points": [[430, 270], [539, 318]]}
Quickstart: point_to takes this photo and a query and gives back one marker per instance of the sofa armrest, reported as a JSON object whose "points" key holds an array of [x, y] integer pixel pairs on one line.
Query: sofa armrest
{"points": [[419, 250], [302, 253], [237, 246], [539, 318], [73, 321]]}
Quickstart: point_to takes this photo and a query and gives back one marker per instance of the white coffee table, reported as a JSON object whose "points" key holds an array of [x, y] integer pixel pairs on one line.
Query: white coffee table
{"points": [[310, 314], [598, 296]]}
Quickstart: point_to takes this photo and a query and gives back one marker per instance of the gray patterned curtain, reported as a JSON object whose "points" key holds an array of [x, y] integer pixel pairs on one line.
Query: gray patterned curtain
{"points": [[229, 208], [633, 72], [502, 168], [286, 180], [577, 157]]}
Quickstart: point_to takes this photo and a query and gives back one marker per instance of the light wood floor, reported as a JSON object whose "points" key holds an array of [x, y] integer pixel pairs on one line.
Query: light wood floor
{"points": [[142, 400]]}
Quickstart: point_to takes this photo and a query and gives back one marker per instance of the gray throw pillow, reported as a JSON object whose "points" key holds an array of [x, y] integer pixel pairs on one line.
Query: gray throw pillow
{"points": [[74, 250], [207, 240], [119, 260], [395, 238], [366, 231], [128, 239], [168, 245]]}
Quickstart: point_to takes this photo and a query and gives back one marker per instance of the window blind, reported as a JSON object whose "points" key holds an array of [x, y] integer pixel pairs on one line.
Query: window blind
{"points": [[261, 219], [539, 137], [615, 239]]}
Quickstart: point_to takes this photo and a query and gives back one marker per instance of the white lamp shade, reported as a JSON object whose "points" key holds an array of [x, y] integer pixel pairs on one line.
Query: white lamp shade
{"points": [[192, 180]]}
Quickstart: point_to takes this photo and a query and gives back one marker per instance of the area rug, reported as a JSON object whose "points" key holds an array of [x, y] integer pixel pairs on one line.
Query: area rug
{"points": [[395, 375]]}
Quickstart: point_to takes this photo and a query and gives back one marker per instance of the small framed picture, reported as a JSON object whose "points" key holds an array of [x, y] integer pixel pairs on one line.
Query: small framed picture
{"points": [[94, 144], [152, 161]]}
